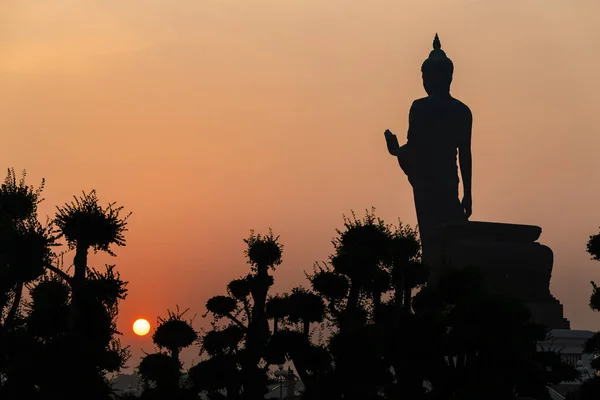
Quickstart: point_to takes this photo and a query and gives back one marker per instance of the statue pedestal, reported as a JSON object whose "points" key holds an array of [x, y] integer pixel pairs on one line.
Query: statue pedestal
{"points": [[509, 257]]}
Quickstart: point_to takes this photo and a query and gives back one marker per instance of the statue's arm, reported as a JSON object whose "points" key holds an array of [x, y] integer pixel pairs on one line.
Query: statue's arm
{"points": [[411, 123], [464, 156], [404, 154]]}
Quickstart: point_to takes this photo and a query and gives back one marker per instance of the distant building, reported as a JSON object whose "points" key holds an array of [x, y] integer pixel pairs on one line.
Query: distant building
{"points": [[288, 387], [570, 344], [127, 383]]}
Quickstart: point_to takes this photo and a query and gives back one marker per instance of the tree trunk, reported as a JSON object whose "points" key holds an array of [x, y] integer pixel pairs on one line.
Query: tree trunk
{"points": [[256, 337], [81, 374], [175, 354], [306, 329], [407, 300], [80, 261], [398, 299], [353, 297], [350, 314], [77, 284], [12, 313]]}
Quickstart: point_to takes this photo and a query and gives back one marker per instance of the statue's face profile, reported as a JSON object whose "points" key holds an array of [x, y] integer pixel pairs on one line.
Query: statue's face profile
{"points": [[436, 82]]}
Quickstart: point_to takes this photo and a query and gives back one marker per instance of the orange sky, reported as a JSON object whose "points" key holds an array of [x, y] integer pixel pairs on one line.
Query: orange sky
{"points": [[208, 118]]}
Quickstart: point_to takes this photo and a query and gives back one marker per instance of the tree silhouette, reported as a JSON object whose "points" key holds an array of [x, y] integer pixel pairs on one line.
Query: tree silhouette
{"points": [[86, 225], [39, 346], [387, 335], [484, 345], [351, 294], [25, 245], [237, 350], [347, 295], [161, 372], [591, 388], [25, 251]]}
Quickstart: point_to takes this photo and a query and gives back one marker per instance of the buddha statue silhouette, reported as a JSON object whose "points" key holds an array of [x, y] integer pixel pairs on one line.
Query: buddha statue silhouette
{"points": [[439, 128], [509, 257]]}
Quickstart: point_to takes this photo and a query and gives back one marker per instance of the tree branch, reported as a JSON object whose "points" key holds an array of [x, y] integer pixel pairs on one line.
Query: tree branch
{"points": [[247, 309], [237, 321], [60, 273], [12, 313]]}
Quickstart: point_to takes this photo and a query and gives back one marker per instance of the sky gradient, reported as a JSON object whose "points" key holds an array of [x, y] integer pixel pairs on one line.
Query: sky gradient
{"points": [[208, 118]]}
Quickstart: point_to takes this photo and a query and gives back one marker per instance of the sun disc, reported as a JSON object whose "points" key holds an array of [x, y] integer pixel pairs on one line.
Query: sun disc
{"points": [[141, 327]]}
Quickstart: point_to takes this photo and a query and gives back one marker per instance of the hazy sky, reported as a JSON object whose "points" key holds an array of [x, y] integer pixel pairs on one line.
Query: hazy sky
{"points": [[208, 118]]}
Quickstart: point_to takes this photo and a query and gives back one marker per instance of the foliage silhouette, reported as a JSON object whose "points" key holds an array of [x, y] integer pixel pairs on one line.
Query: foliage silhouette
{"points": [[487, 345], [86, 225], [237, 349], [25, 245], [174, 333], [368, 327], [161, 372], [19, 201], [591, 388], [39, 345], [362, 288]]}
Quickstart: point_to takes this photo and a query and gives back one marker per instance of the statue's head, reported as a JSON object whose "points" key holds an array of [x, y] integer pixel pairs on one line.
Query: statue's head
{"points": [[437, 70]]}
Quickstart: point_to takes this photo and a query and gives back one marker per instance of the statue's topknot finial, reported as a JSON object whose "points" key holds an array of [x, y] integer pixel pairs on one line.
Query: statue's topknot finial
{"points": [[438, 61], [437, 53], [437, 45]]}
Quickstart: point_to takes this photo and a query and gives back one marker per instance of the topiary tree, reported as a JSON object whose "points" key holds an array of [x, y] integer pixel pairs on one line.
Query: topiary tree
{"points": [[238, 348], [346, 296], [591, 388], [85, 225], [362, 291], [370, 328], [174, 333], [483, 345], [305, 308], [161, 372], [25, 255], [25, 245], [389, 334], [39, 344]]}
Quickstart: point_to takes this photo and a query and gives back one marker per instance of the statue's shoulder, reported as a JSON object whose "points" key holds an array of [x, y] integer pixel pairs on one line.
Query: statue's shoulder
{"points": [[423, 101], [452, 101], [453, 105], [462, 108], [420, 105]]}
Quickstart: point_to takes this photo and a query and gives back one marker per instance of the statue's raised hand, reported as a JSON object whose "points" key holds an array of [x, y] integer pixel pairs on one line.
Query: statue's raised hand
{"points": [[392, 142]]}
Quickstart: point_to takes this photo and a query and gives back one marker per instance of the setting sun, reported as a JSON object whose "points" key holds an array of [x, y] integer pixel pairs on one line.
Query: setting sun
{"points": [[141, 327]]}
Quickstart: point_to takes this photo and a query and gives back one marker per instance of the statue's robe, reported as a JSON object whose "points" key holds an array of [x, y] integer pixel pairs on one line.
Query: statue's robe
{"points": [[437, 127]]}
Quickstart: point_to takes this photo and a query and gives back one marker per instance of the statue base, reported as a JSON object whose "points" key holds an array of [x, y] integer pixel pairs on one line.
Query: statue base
{"points": [[512, 261]]}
